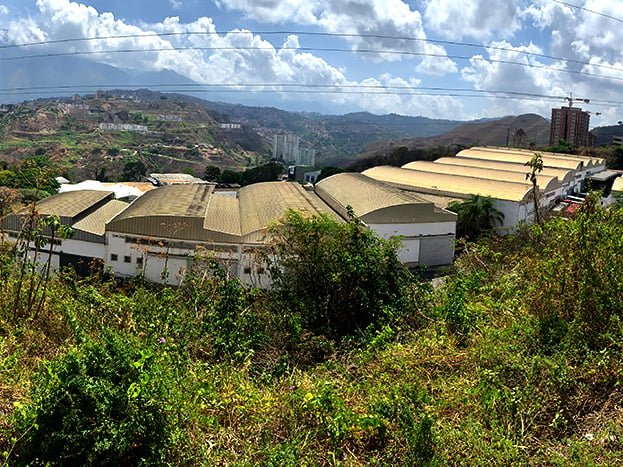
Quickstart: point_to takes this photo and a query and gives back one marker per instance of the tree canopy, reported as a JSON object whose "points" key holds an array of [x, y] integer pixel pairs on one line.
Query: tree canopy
{"points": [[476, 215]]}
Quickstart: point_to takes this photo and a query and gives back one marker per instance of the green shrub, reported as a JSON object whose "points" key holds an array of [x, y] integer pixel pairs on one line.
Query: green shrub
{"points": [[105, 403], [339, 277]]}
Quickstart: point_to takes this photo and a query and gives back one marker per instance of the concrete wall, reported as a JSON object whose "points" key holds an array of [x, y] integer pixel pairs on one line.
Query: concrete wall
{"points": [[415, 238]]}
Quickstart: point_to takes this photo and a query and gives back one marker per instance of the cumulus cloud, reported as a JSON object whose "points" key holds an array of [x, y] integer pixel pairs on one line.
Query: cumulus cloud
{"points": [[371, 18], [235, 57], [4, 10], [175, 4], [477, 19]]}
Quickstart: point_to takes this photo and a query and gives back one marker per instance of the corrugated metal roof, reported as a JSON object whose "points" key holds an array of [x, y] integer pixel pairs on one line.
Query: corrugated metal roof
{"points": [[439, 201], [95, 223], [604, 175], [262, 204], [450, 185], [223, 215], [495, 155], [71, 204], [193, 212], [590, 161], [375, 202], [546, 183], [175, 211], [563, 175], [175, 200], [176, 178]]}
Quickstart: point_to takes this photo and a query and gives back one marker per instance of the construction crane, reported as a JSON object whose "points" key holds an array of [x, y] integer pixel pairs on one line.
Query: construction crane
{"points": [[570, 99]]}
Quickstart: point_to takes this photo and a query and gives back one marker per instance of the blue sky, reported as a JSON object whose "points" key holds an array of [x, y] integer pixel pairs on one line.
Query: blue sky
{"points": [[507, 27]]}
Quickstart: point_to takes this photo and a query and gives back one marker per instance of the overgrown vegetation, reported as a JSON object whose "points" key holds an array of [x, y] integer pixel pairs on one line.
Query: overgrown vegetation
{"points": [[515, 359]]}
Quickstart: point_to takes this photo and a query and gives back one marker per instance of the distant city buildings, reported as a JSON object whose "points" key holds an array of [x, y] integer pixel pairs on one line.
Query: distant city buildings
{"points": [[169, 118], [286, 148], [123, 127], [571, 125], [230, 126]]}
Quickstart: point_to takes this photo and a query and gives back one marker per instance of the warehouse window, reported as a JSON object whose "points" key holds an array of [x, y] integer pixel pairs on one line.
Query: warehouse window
{"points": [[113, 257], [127, 259], [139, 261], [247, 270]]}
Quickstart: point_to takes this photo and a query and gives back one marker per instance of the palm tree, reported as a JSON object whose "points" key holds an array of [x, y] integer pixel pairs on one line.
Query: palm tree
{"points": [[477, 214]]}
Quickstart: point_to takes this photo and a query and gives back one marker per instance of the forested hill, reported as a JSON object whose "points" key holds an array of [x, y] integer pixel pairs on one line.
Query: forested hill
{"points": [[518, 131], [337, 138]]}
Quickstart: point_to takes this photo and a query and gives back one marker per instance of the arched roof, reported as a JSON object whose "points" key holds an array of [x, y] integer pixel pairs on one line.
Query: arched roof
{"points": [[261, 204], [500, 156], [565, 176], [450, 185], [589, 161], [375, 202], [546, 183], [175, 211]]}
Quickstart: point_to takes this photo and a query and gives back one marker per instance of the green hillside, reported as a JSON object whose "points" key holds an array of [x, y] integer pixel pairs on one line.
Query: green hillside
{"points": [[514, 359], [179, 136]]}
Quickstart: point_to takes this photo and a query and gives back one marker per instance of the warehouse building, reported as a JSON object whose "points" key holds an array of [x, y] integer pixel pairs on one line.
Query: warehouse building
{"points": [[549, 186], [427, 233], [87, 212], [513, 200], [161, 233], [501, 173], [171, 230], [566, 177], [582, 167]]}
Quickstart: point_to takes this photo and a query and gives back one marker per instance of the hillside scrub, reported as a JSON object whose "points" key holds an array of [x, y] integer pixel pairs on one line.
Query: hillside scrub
{"points": [[516, 359]]}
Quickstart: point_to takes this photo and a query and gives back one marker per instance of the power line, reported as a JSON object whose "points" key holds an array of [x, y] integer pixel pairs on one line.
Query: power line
{"points": [[315, 49], [578, 7], [286, 85], [311, 91], [307, 88], [320, 34]]}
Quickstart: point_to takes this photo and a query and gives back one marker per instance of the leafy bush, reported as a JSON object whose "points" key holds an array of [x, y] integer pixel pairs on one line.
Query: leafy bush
{"points": [[339, 277], [575, 280], [105, 403]]}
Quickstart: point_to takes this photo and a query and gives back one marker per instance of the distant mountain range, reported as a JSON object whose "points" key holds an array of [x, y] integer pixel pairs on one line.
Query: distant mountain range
{"points": [[604, 134], [336, 138], [523, 130]]}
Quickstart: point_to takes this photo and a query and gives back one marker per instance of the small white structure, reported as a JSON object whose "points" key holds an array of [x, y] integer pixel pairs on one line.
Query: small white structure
{"points": [[123, 127], [174, 179], [125, 190]]}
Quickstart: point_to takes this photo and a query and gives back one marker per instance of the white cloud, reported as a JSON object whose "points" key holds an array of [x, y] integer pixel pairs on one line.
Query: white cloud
{"points": [[274, 11], [478, 19], [4, 10], [357, 17], [232, 57], [175, 4]]}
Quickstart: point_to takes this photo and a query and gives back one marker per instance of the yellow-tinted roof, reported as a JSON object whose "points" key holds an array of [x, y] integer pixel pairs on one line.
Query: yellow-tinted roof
{"points": [[618, 184], [450, 185], [262, 204], [95, 223], [494, 155], [175, 211], [173, 200], [71, 204], [223, 215], [563, 175], [546, 183], [589, 161], [377, 202]]}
